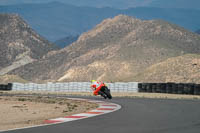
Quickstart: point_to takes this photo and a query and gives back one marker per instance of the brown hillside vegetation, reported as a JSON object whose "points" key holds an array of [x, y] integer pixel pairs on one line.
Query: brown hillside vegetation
{"points": [[114, 50], [19, 44], [11, 78], [184, 69]]}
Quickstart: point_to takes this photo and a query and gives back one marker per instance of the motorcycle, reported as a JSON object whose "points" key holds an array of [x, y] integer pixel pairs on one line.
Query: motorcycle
{"points": [[105, 92]]}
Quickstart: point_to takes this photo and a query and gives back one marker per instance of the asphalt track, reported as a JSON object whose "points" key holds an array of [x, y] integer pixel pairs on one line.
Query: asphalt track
{"points": [[137, 115]]}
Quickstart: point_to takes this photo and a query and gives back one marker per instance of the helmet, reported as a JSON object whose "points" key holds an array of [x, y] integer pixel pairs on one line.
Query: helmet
{"points": [[93, 81]]}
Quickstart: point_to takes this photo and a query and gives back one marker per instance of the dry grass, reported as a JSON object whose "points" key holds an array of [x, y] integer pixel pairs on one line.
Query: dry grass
{"points": [[11, 78]]}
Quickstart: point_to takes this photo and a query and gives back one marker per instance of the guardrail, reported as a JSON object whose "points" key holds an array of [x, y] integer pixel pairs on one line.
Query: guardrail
{"points": [[74, 87]]}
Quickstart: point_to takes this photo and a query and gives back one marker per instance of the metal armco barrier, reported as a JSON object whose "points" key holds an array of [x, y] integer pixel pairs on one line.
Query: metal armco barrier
{"points": [[74, 87], [7, 87], [170, 88]]}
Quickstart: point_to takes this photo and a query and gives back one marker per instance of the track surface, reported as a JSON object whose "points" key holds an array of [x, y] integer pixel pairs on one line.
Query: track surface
{"points": [[136, 116]]}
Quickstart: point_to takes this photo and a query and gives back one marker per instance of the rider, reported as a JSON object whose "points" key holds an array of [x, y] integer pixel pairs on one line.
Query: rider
{"points": [[96, 87]]}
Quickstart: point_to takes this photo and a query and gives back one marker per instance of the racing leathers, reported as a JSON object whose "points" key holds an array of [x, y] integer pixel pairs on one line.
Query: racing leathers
{"points": [[96, 86]]}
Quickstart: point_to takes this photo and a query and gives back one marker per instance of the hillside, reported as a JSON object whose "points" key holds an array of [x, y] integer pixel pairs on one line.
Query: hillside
{"points": [[11, 78], [184, 69], [57, 20], [19, 44], [115, 49]]}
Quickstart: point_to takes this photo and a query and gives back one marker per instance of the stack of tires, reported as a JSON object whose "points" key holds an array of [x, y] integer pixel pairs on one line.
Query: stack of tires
{"points": [[7, 87], [170, 88], [197, 89]]}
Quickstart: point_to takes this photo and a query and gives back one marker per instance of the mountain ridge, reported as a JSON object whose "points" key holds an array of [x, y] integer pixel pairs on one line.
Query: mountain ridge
{"points": [[20, 45], [70, 20], [119, 4], [192, 4], [115, 49]]}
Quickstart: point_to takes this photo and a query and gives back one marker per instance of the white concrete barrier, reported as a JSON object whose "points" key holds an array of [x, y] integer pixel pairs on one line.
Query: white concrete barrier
{"points": [[75, 87]]}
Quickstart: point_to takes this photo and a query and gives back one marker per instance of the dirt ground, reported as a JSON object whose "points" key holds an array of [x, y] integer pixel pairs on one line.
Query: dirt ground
{"points": [[16, 112]]}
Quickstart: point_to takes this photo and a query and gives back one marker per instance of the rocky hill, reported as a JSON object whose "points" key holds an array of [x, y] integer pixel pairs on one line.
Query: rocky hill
{"points": [[19, 44], [182, 68], [114, 50]]}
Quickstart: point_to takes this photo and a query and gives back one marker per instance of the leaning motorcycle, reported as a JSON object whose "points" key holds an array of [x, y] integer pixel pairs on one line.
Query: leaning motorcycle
{"points": [[105, 92]]}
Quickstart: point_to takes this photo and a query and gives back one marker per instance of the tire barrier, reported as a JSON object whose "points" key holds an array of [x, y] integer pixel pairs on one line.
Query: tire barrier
{"points": [[174, 88], [170, 88], [7, 87], [197, 89], [149, 88]]}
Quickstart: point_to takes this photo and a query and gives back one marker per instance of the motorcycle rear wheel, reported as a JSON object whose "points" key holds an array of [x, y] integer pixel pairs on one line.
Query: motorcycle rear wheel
{"points": [[107, 92]]}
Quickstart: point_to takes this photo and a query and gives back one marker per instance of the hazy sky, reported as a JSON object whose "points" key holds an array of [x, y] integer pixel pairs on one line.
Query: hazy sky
{"points": [[192, 4]]}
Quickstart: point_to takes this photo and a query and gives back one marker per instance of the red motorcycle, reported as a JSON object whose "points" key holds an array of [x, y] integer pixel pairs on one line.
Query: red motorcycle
{"points": [[105, 92]]}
